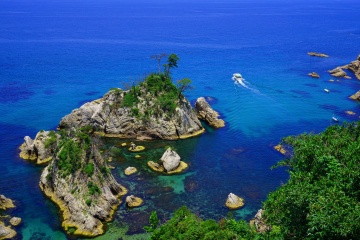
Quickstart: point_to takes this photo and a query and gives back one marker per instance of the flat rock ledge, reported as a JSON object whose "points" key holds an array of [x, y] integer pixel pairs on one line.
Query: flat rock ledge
{"points": [[314, 75], [234, 202], [207, 114], [130, 170], [132, 201], [6, 203], [6, 232], [137, 149], [316, 54]]}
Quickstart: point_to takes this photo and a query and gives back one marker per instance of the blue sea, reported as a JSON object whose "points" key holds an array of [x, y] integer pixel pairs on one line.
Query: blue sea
{"points": [[57, 55]]}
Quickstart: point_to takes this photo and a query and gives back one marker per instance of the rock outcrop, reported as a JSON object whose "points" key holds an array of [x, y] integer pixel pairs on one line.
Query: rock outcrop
{"points": [[110, 117], [6, 203], [356, 96], [41, 148], [259, 222], [338, 72], [315, 54], [80, 183], [15, 221], [207, 114], [234, 202], [354, 66], [6, 232], [314, 75], [170, 160], [169, 163], [130, 170], [132, 201]]}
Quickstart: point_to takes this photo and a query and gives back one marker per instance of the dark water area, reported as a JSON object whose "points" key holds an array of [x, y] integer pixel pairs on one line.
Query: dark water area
{"points": [[57, 55]]}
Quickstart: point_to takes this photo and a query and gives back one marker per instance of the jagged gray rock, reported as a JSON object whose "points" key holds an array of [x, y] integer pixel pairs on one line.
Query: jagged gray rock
{"points": [[108, 117], [259, 222], [86, 200], [41, 148], [170, 160], [207, 114]]}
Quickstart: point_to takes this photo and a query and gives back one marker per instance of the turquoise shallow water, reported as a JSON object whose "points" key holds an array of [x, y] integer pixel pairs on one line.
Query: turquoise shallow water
{"points": [[54, 56]]}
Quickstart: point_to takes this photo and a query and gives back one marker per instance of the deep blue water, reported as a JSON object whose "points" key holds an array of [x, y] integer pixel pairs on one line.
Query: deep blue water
{"points": [[56, 55]]}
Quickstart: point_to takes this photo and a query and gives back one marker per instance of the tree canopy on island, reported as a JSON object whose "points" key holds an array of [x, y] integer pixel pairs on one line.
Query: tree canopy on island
{"points": [[321, 200]]}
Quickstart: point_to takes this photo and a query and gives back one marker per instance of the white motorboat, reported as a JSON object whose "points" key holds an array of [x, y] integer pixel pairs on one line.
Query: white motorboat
{"points": [[335, 119], [237, 77], [326, 90]]}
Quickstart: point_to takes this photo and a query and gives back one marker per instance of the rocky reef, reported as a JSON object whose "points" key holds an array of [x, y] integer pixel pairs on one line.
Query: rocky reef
{"points": [[81, 184], [141, 113], [207, 114]]}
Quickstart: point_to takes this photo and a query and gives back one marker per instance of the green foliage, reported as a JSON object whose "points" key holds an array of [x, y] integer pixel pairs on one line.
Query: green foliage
{"points": [[154, 221], [321, 200], [69, 157], [50, 140], [89, 169], [88, 201], [93, 188], [186, 225], [104, 170], [131, 98], [183, 85]]}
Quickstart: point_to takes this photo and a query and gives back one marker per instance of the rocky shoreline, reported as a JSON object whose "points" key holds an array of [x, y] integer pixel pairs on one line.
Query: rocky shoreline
{"points": [[6, 231]]}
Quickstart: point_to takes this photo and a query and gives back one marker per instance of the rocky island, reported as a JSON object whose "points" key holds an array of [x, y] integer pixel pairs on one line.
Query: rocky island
{"points": [[78, 179]]}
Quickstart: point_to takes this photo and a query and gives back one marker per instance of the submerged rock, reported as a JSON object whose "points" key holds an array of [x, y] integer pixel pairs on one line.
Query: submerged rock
{"points": [[41, 148], [207, 114], [234, 202]]}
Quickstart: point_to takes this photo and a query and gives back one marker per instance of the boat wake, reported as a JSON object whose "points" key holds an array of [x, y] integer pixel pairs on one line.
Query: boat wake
{"points": [[240, 81]]}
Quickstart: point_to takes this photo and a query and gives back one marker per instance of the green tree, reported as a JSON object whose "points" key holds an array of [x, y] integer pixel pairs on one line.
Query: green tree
{"points": [[171, 63], [183, 85], [321, 200]]}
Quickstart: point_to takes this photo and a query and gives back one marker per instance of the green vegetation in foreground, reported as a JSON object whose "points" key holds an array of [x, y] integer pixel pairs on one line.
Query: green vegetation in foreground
{"points": [[186, 225], [157, 92], [320, 200]]}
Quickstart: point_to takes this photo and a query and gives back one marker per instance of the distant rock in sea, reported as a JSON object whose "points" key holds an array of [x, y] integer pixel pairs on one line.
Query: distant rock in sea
{"points": [[316, 54], [314, 75]]}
